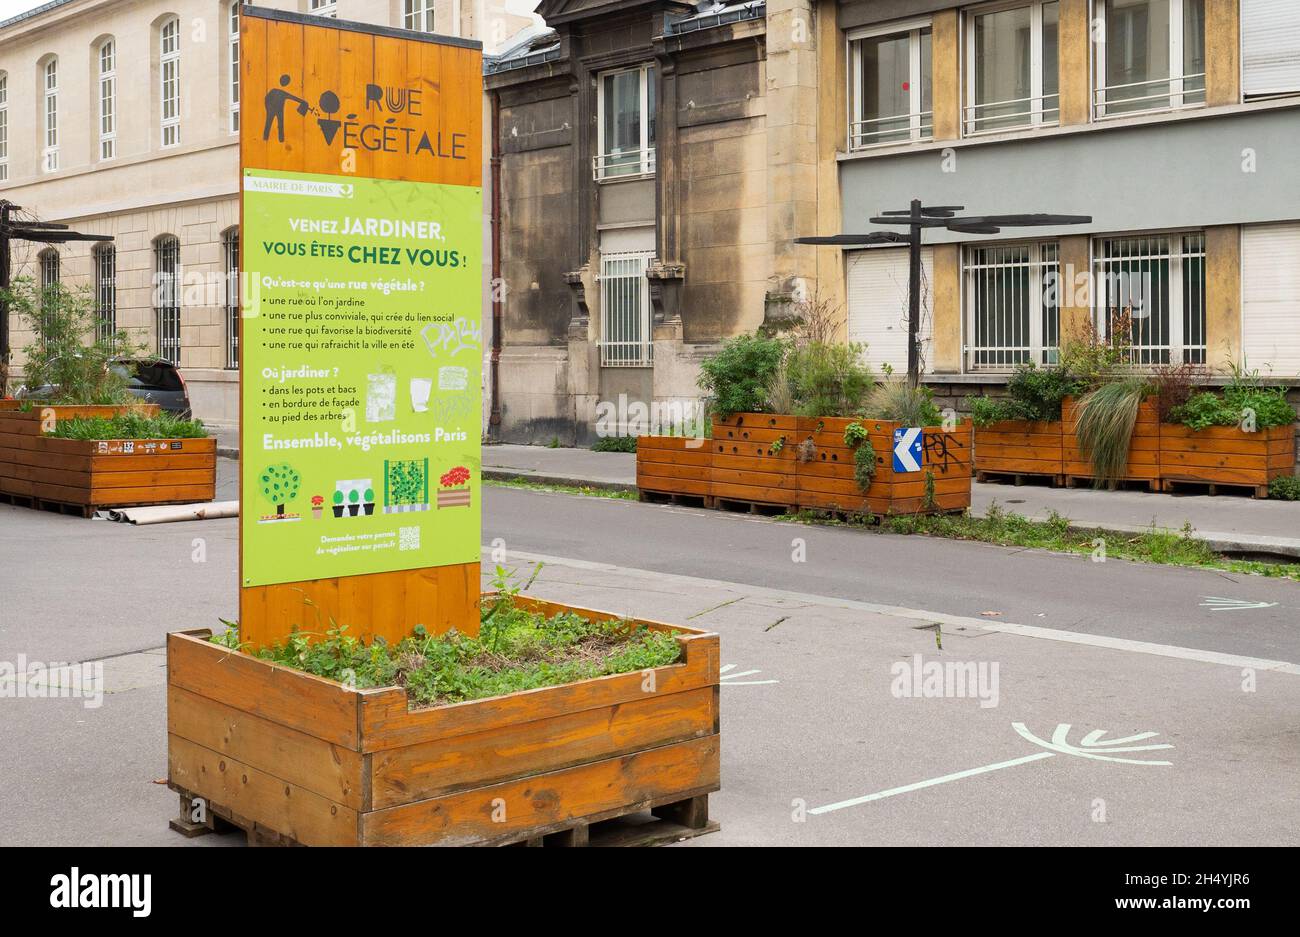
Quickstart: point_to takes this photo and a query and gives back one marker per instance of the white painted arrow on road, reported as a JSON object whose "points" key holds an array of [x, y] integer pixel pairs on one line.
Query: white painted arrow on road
{"points": [[1219, 603]]}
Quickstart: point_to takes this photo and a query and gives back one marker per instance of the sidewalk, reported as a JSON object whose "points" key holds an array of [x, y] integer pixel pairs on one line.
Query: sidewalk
{"points": [[1233, 524]]}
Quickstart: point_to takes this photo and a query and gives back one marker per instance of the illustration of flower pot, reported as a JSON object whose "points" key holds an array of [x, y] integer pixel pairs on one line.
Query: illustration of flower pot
{"points": [[317, 507], [354, 502], [280, 485], [369, 501], [454, 488], [338, 504]]}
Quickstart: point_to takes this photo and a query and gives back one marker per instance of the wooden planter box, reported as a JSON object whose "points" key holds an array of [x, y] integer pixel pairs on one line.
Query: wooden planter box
{"points": [[294, 758], [674, 465], [91, 474], [1144, 447], [1225, 455], [754, 459], [827, 481], [1021, 447]]}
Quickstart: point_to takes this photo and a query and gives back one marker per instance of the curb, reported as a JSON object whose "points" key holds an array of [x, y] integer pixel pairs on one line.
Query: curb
{"points": [[225, 452]]}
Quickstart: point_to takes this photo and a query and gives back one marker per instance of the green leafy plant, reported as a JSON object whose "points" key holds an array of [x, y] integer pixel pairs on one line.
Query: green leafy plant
{"points": [[614, 444], [506, 586], [827, 379], [1106, 419], [900, 402], [130, 425], [1268, 406], [1093, 356], [777, 445], [1285, 488], [739, 376], [1032, 394], [864, 454]]}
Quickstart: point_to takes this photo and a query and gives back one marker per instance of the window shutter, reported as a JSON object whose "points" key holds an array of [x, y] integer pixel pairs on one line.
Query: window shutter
{"points": [[877, 300], [1270, 313], [1270, 46]]}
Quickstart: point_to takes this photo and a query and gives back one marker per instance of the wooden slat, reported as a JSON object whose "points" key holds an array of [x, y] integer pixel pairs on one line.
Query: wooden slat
{"points": [[417, 772], [500, 811], [332, 771]]}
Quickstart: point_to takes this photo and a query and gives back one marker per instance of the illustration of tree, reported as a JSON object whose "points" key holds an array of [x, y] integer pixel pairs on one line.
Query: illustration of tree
{"points": [[280, 485]]}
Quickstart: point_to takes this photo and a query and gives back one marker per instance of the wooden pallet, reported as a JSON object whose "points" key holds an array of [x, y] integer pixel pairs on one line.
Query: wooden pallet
{"points": [[1073, 480], [744, 506], [651, 496], [639, 825], [1056, 480], [47, 504], [1199, 486]]}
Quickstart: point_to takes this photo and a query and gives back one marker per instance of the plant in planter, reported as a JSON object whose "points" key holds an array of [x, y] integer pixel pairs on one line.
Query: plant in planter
{"points": [[1107, 417], [317, 506], [1021, 434], [899, 402], [368, 501], [338, 503], [280, 485], [354, 503], [739, 376], [864, 454]]}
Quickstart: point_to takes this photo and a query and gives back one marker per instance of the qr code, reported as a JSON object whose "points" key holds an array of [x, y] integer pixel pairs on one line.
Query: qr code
{"points": [[408, 538]]}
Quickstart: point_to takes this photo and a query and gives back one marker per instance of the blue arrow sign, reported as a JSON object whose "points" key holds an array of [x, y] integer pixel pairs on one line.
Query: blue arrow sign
{"points": [[908, 448]]}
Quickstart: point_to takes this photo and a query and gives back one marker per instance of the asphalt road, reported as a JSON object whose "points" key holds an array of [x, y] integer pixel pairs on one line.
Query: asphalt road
{"points": [[1137, 601]]}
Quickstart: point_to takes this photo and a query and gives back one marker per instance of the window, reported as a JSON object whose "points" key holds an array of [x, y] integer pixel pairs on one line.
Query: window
{"points": [[891, 86], [328, 8], [1159, 282], [105, 256], [48, 262], [1011, 67], [625, 310], [626, 102], [234, 66], [1270, 36], [50, 84], [230, 252], [107, 99], [418, 15], [1153, 56], [1012, 305], [167, 296], [1270, 301], [4, 126], [169, 65]]}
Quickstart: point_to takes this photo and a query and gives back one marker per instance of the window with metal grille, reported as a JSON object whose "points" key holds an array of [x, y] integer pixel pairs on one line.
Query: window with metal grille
{"points": [[891, 98], [418, 15], [1013, 310], [1011, 67], [48, 261], [234, 66], [107, 99], [169, 57], [230, 250], [625, 336], [105, 291], [1152, 57], [167, 297], [4, 126], [1158, 281], [50, 153]]}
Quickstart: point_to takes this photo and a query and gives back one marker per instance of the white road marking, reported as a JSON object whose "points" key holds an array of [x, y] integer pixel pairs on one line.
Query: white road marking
{"points": [[1218, 603], [1059, 745], [1236, 661], [726, 678]]}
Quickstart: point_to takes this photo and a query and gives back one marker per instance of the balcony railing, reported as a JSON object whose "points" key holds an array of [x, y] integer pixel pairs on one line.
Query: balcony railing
{"points": [[900, 128], [1133, 98], [625, 164], [992, 116]]}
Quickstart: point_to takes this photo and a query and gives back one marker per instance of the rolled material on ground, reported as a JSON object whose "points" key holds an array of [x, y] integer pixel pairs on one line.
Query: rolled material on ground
{"points": [[169, 513]]}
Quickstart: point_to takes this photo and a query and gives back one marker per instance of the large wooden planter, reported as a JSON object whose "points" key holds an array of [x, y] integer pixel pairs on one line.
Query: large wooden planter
{"points": [[90, 474], [1021, 447], [754, 459], [1144, 447], [293, 758], [674, 465], [1225, 455], [826, 479]]}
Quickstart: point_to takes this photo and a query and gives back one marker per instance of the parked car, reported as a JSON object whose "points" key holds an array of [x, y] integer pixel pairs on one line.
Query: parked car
{"points": [[153, 380]]}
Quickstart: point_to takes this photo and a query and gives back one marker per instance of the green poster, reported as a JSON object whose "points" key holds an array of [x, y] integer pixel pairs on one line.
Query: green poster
{"points": [[362, 344]]}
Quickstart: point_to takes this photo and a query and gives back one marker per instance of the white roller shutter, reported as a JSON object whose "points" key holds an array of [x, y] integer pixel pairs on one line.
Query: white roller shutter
{"points": [[1270, 293], [877, 299], [1270, 46]]}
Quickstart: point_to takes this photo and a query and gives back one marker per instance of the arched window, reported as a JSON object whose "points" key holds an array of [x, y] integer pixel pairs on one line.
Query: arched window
{"points": [[4, 126], [232, 44], [167, 296], [169, 73], [230, 253], [105, 256], [418, 15], [107, 62], [49, 78]]}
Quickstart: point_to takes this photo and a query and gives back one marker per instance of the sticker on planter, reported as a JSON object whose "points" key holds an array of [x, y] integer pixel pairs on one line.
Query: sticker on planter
{"points": [[909, 448]]}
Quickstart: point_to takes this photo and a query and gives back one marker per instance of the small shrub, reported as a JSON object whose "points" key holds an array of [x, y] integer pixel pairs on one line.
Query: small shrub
{"points": [[827, 379], [1285, 488], [740, 375], [899, 401], [614, 444]]}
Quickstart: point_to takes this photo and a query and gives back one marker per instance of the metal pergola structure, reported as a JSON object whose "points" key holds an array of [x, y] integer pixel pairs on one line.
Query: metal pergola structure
{"points": [[42, 232], [917, 218]]}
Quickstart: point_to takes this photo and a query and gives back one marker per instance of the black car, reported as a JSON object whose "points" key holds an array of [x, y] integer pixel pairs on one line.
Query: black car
{"points": [[153, 380]]}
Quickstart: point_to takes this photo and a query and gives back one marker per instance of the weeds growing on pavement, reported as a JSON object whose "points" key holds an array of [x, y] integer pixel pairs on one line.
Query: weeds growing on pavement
{"points": [[585, 490]]}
